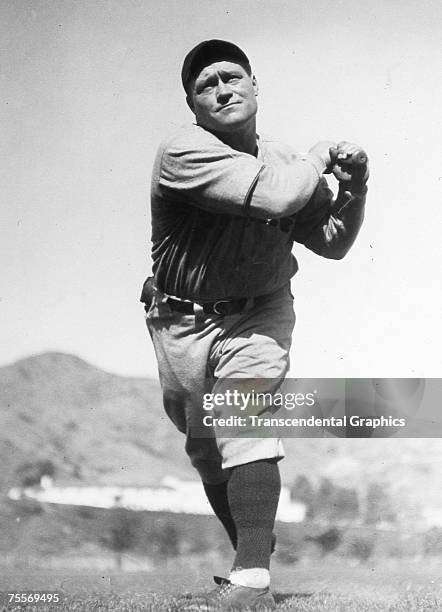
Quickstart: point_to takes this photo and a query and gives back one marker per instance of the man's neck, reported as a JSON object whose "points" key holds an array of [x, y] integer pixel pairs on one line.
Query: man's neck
{"points": [[244, 139]]}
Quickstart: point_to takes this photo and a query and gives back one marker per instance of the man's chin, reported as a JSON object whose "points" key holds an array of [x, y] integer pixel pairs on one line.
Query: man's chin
{"points": [[230, 125]]}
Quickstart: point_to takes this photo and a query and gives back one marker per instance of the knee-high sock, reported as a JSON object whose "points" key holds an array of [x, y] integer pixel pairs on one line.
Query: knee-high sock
{"points": [[217, 496], [253, 492]]}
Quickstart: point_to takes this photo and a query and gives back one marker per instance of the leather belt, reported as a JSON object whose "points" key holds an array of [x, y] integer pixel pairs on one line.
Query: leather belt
{"points": [[220, 307]]}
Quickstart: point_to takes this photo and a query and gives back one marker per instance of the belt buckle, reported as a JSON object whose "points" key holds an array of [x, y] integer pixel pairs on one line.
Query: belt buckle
{"points": [[215, 306]]}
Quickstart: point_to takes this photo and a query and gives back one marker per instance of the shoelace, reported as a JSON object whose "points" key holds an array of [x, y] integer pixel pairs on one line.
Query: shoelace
{"points": [[226, 588]]}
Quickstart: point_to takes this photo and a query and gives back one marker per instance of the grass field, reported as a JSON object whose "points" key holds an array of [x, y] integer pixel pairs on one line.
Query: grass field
{"points": [[322, 586]]}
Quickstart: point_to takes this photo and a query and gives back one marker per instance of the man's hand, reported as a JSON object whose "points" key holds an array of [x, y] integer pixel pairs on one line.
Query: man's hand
{"points": [[350, 167]]}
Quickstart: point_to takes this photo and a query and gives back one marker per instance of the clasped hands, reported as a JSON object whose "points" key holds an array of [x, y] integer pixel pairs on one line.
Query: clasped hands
{"points": [[344, 161]]}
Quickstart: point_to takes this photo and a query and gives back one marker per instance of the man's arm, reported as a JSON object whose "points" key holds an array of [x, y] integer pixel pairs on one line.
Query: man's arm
{"points": [[329, 228], [281, 191], [211, 175]]}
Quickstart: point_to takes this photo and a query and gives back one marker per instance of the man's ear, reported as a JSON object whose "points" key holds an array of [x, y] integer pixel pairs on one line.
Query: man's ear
{"points": [[255, 85], [189, 101]]}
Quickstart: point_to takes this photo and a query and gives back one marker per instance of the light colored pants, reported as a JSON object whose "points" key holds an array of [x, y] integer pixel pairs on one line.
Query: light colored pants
{"points": [[199, 353]]}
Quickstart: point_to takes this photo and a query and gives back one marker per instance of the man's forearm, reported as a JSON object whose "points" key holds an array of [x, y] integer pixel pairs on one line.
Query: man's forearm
{"points": [[337, 231], [344, 223], [282, 191]]}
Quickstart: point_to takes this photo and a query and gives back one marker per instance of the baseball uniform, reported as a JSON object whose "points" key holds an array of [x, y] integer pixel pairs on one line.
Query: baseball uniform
{"points": [[208, 245], [227, 206]]}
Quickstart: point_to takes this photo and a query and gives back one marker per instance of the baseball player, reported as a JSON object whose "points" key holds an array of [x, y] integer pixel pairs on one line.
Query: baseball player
{"points": [[227, 206]]}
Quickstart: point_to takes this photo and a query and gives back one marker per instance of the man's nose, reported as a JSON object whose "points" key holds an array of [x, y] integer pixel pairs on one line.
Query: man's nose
{"points": [[223, 92]]}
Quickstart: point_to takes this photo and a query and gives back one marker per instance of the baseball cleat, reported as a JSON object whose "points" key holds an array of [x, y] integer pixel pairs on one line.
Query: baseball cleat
{"points": [[229, 596], [206, 594], [220, 581]]}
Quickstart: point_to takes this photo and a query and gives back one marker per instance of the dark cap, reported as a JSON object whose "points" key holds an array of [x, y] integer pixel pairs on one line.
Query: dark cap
{"points": [[208, 52]]}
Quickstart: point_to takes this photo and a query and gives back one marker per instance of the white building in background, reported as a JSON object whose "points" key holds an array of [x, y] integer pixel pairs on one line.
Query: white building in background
{"points": [[172, 495]]}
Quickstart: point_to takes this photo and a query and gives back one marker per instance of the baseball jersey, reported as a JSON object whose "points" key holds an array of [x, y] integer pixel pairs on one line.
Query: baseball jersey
{"points": [[209, 240]]}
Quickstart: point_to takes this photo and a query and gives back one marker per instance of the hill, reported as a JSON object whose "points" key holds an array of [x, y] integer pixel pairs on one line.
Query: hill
{"points": [[94, 426], [98, 427]]}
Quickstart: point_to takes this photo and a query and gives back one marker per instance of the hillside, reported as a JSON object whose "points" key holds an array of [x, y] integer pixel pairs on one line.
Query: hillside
{"points": [[98, 427], [94, 426]]}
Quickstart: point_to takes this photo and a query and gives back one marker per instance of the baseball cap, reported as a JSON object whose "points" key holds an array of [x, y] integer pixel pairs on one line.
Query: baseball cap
{"points": [[206, 53]]}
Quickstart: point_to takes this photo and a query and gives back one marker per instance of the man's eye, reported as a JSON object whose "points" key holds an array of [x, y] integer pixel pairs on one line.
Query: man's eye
{"points": [[204, 88]]}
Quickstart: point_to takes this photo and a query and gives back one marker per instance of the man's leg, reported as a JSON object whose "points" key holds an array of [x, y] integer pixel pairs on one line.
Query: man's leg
{"points": [[184, 347], [219, 502], [217, 496], [258, 361], [253, 493]]}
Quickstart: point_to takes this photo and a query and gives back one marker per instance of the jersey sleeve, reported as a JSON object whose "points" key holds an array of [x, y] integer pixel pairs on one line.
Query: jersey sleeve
{"points": [[329, 227], [207, 173], [203, 171]]}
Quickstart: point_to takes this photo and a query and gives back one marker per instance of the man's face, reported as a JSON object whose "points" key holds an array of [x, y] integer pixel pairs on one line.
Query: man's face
{"points": [[223, 97]]}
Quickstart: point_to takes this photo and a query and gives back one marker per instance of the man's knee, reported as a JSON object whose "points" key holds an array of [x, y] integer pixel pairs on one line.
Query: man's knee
{"points": [[206, 459], [174, 405], [211, 473]]}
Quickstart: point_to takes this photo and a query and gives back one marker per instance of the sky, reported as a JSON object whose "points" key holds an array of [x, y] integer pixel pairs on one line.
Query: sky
{"points": [[89, 88]]}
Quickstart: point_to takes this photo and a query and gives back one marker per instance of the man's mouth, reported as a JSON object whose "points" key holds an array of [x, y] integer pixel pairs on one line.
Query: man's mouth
{"points": [[227, 106]]}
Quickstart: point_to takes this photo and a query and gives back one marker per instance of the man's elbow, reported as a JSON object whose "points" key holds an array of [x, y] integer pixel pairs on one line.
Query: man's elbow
{"points": [[335, 253], [338, 255], [338, 248]]}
